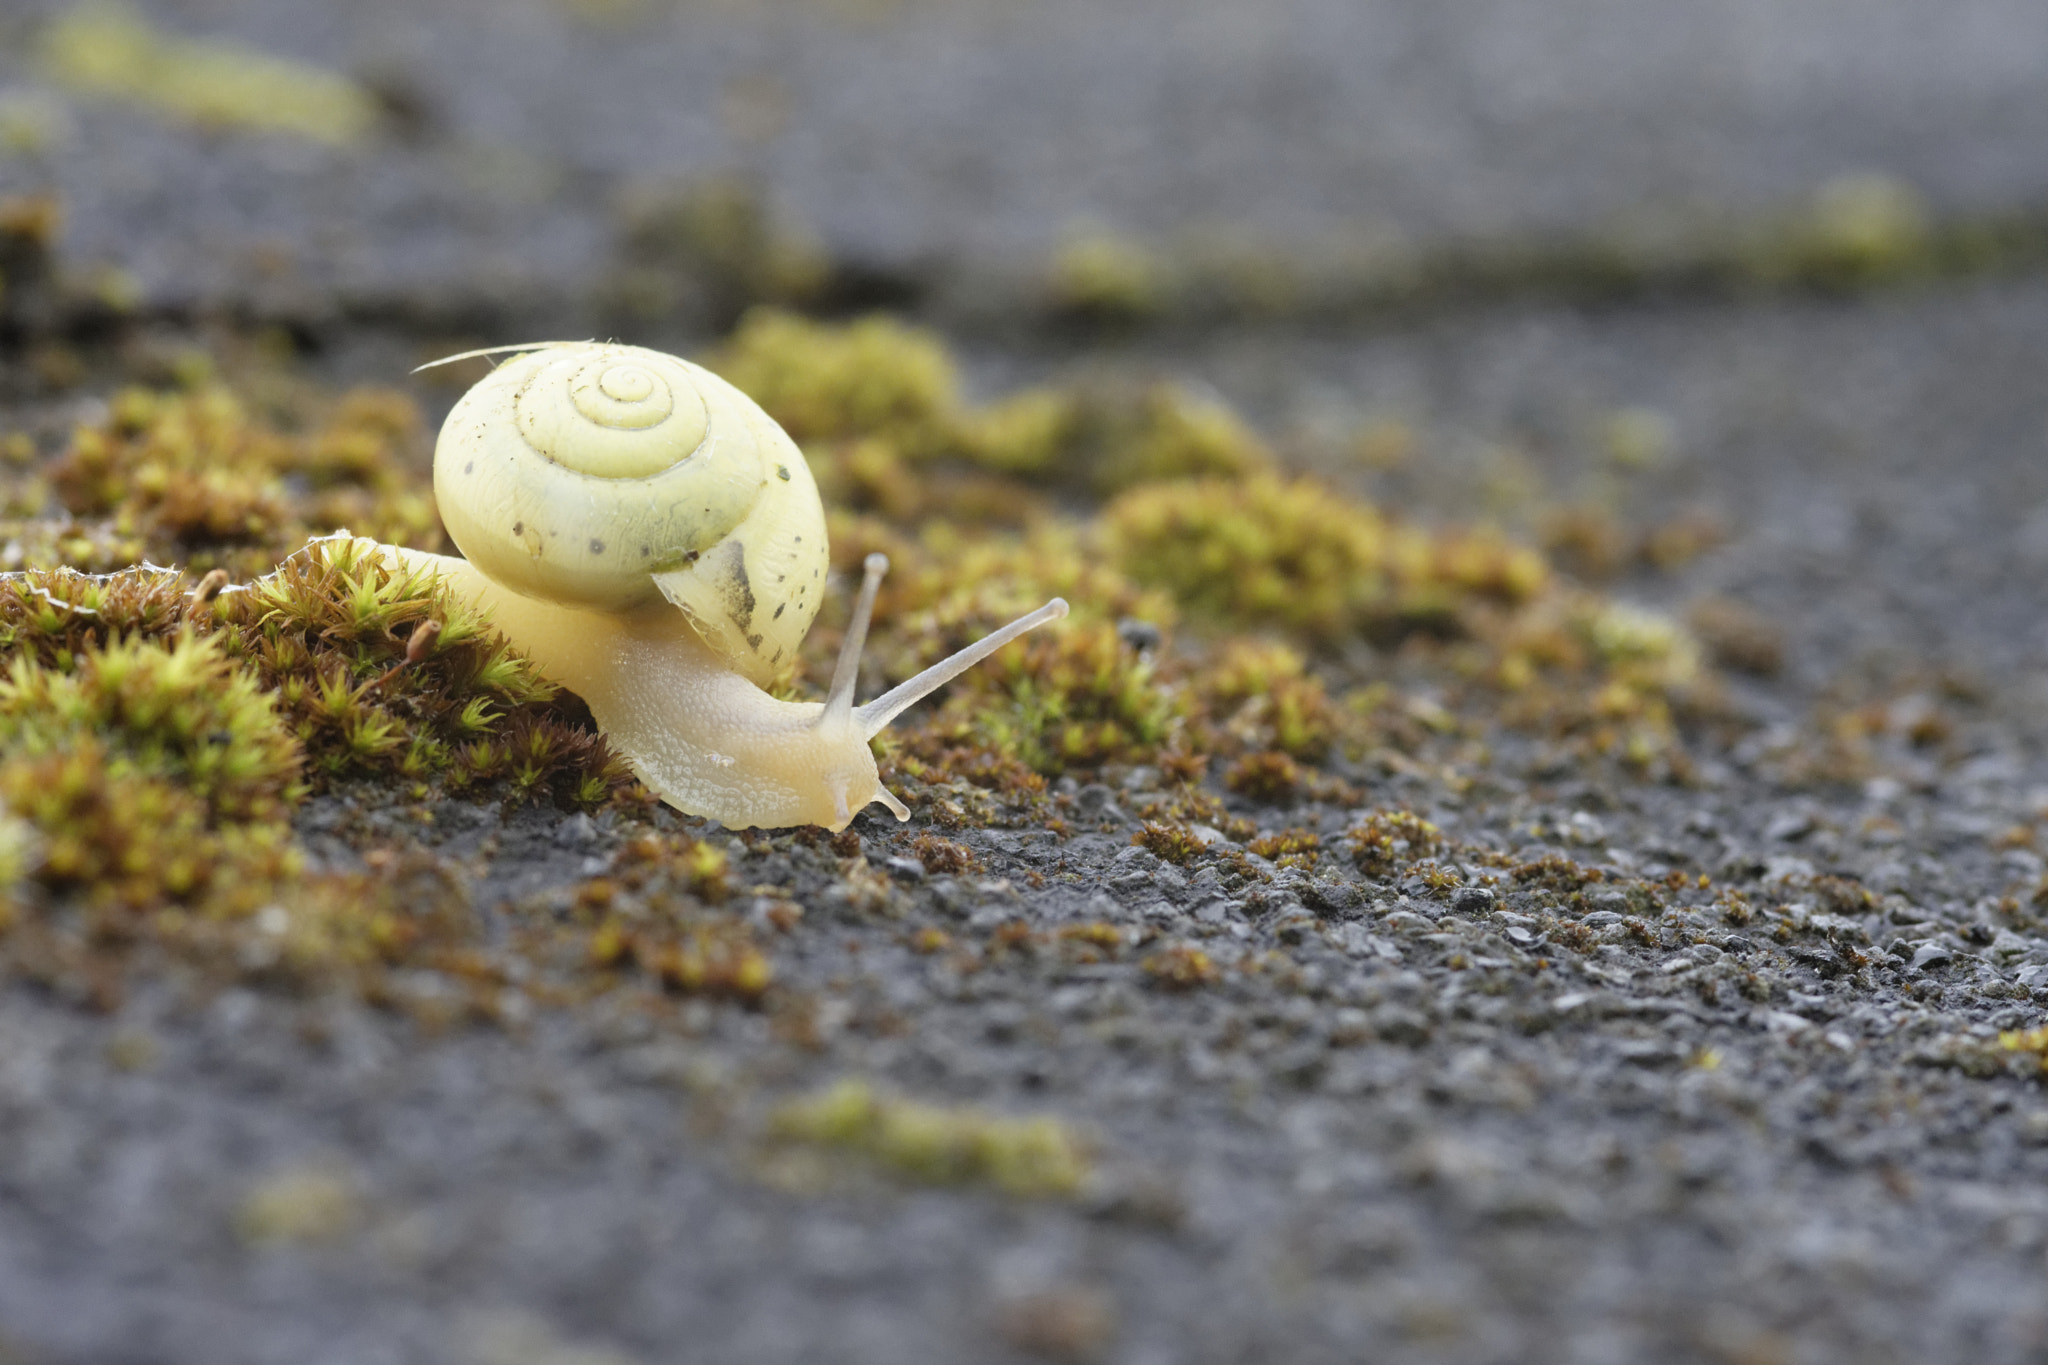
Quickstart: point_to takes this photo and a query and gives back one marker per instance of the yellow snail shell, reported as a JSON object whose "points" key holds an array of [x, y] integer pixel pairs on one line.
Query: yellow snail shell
{"points": [[593, 485], [608, 476]]}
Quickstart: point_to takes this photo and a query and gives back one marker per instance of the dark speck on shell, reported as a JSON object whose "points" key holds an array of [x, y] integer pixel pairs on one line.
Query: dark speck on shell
{"points": [[597, 547]]}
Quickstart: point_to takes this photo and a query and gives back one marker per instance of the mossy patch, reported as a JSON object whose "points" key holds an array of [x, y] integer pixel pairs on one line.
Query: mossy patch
{"points": [[1267, 551], [195, 478], [151, 773], [336, 632], [878, 407], [109, 50], [1253, 641], [938, 1144]]}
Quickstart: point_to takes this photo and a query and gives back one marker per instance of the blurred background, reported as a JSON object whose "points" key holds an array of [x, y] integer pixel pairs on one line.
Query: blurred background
{"points": [[1776, 264], [455, 147]]}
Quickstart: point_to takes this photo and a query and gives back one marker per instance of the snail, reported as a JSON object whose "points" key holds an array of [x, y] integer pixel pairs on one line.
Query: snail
{"points": [[653, 542]]}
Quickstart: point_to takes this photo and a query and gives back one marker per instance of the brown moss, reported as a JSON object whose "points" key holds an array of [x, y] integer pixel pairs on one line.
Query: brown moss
{"points": [[1738, 636], [943, 857], [1174, 843], [1288, 848], [195, 479], [1270, 776], [1181, 967], [1386, 841]]}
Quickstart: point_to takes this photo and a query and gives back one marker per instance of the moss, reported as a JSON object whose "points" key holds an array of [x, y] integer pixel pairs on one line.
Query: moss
{"points": [[1266, 550], [1387, 841], [874, 377], [196, 479], [151, 773], [1163, 431], [1101, 277], [1029, 1157], [330, 640], [1737, 636], [333, 633], [53, 616], [1181, 967], [943, 857], [1289, 848], [878, 408], [712, 957], [180, 711], [1259, 694], [1269, 777], [1174, 843], [28, 230], [109, 50], [298, 1205], [1073, 700], [1024, 434]]}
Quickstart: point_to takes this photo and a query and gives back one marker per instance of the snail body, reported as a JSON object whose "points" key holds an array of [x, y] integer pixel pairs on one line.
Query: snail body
{"points": [[652, 541]]}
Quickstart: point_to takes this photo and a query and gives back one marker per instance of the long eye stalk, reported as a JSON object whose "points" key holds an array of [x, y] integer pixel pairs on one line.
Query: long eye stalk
{"points": [[876, 715], [846, 674]]}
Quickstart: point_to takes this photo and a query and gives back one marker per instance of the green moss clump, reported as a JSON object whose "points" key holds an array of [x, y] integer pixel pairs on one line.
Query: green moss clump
{"points": [[874, 377], [1164, 431], [1101, 277], [1259, 694], [110, 50], [52, 616], [1267, 551], [181, 711], [195, 479], [877, 406], [1028, 1157], [1076, 699], [1023, 434], [151, 772], [330, 638], [333, 633]]}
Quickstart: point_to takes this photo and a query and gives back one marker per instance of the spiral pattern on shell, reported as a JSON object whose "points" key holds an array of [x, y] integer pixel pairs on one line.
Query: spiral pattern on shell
{"points": [[610, 477]]}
